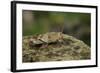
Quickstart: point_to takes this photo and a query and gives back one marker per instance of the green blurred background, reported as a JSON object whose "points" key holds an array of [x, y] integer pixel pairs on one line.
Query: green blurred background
{"points": [[71, 23]]}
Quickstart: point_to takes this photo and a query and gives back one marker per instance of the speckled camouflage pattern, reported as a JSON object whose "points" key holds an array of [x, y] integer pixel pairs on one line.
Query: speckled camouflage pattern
{"points": [[53, 47]]}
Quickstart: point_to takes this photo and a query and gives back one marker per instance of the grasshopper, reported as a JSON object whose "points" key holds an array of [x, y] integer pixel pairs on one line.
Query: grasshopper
{"points": [[51, 37], [47, 38]]}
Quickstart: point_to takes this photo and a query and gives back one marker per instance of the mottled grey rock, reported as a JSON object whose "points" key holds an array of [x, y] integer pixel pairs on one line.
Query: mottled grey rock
{"points": [[69, 48]]}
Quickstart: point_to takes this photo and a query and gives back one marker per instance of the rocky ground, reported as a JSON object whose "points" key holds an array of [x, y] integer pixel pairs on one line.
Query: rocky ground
{"points": [[69, 49]]}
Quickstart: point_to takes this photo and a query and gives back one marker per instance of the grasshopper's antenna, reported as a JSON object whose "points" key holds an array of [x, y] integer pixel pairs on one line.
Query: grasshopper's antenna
{"points": [[61, 28]]}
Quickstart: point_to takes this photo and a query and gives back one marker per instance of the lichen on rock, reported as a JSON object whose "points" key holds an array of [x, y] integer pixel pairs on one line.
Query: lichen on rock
{"points": [[62, 49]]}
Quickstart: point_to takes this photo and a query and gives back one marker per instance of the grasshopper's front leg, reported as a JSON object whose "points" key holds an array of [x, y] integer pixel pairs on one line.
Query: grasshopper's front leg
{"points": [[44, 45]]}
